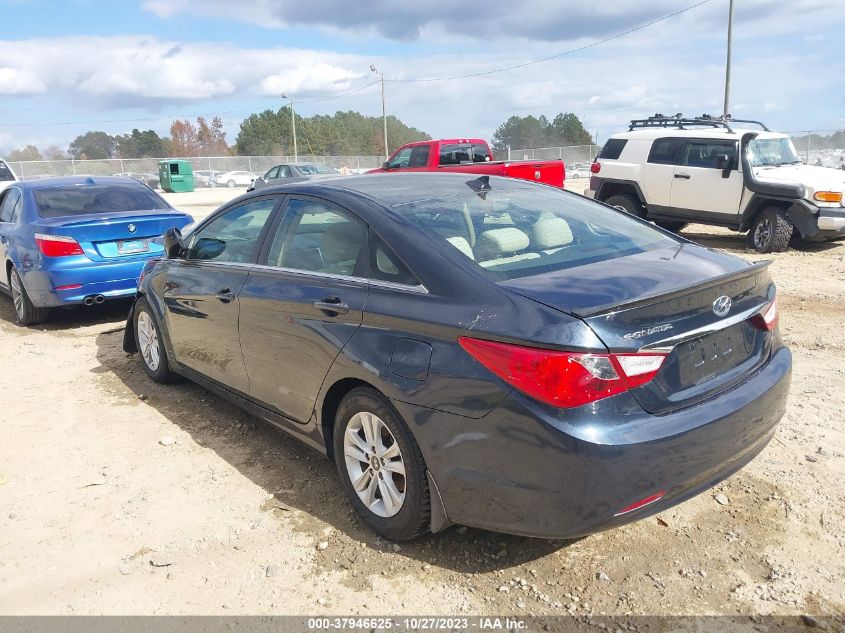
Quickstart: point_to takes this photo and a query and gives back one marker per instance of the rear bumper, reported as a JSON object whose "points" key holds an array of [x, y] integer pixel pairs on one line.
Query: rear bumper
{"points": [[532, 470], [112, 280]]}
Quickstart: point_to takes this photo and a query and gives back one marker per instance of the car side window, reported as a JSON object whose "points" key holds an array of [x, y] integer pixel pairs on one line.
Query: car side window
{"points": [[233, 236], [317, 237], [385, 265], [703, 154], [284, 172], [401, 159], [272, 173], [664, 151], [419, 156], [8, 204], [16, 211]]}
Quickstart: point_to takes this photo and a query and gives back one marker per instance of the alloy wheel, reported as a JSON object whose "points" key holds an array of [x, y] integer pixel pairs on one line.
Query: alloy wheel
{"points": [[374, 464], [148, 341], [763, 233], [17, 295]]}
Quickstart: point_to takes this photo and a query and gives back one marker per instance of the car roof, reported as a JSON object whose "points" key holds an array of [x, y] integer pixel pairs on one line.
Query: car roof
{"points": [[43, 183], [393, 189], [697, 132]]}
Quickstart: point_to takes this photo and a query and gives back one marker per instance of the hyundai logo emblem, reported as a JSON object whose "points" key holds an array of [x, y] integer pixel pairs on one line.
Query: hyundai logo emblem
{"points": [[132, 228], [722, 305]]}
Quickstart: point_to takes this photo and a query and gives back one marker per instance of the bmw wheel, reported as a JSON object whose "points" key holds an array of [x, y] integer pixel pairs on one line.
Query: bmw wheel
{"points": [[381, 467], [25, 311], [149, 344]]}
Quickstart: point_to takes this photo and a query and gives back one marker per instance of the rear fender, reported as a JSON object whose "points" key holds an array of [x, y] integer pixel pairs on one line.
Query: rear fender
{"points": [[611, 186]]}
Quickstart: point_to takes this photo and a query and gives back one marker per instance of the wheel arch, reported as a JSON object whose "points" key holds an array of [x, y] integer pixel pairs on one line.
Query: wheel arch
{"points": [[612, 187], [330, 404]]}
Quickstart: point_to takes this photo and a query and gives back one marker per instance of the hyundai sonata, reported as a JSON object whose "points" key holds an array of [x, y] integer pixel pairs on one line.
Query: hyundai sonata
{"points": [[486, 352]]}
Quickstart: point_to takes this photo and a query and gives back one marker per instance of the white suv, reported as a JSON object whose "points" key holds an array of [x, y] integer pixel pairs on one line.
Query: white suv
{"points": [[719, 171], [7, 175]]}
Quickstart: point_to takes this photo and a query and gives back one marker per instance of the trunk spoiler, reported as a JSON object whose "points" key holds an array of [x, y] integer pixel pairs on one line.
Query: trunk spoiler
{"points": [[714, 281]]}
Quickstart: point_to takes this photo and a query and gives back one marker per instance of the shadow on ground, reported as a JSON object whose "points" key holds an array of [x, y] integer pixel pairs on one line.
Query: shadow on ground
{"points": [[299, 477], [735, 243], [61, 319]]}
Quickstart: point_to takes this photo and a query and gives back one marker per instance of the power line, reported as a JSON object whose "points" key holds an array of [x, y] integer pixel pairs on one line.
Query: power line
{"points": [[556, 55]]}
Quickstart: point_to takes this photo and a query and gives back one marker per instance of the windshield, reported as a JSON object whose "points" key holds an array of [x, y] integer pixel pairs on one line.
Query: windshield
{"points": [[311, 170], [772, 152], [56, 202], [522, 232]]}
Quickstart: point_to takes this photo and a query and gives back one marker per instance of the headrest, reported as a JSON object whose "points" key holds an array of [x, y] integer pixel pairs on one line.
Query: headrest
{"points": [[500, 242], [341, 242], [550, 233]]}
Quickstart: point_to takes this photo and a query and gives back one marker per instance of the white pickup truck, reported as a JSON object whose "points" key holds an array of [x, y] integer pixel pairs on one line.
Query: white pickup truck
{"points": [[720, 171], [7, 175]]}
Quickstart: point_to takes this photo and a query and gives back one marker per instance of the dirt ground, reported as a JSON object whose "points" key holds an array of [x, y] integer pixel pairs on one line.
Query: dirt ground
{"points": [[119, 496]]}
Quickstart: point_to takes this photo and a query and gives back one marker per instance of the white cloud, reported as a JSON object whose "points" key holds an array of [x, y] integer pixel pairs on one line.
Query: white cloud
{"points": [[16, 81]]}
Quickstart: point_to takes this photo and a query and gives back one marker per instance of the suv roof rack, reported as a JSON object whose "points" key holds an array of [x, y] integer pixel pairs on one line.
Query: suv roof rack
{"points": [[681, 122]]}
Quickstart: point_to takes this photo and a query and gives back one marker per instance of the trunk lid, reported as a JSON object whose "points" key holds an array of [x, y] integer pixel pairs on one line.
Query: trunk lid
{"points": [[664, 300], [107, 236]]}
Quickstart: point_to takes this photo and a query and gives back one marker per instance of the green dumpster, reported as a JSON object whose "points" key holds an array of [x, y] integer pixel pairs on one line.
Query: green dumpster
{"points": [[176, 176]]}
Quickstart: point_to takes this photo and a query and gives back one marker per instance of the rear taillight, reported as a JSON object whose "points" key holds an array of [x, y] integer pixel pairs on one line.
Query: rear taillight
{"points": [[595, 167], [563, 379], [767, 319], [57, 245]]}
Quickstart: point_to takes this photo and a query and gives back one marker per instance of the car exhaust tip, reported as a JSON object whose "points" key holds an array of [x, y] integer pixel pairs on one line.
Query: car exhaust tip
{"points": [[89, 300], [99, 299]]}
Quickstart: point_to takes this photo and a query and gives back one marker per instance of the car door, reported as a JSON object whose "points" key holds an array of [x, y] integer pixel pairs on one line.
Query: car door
{"points": [[302, 303], [411, 158], [11, 201], [201, 291], [658, 172], [702, 190]]}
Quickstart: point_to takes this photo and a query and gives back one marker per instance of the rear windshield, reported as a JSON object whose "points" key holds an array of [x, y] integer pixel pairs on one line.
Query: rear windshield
{"points": [[55, 202], [613, 148], [522, 232], [5, 172], [311, 170]]}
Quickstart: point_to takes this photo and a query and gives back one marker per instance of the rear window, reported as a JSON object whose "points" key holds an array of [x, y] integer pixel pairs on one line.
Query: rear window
{"points": [[312, 170], [457, 153], [522, 232], [5, 173], [613, 148], [664, 150], [55, 202]]}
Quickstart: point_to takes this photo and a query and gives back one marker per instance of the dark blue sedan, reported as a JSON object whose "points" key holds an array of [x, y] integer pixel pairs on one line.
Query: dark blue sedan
{"points": [[80, 240], [488, 352]]}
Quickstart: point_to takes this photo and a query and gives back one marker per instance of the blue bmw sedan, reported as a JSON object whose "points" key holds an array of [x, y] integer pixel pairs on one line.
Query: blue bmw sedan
{"points": [[488, 352], [79, 240]]}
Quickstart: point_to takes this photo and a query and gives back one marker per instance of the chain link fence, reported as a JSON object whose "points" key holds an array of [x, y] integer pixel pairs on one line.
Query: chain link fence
{"points": [[31, 170]]}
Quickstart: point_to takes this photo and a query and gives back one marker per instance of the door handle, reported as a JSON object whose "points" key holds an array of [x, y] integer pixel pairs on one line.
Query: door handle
{"points": [[225, 295], [683, 176], [332, 306]]}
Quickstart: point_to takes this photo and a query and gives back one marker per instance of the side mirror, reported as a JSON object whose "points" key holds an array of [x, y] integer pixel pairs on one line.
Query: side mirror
{"points": [[174, 247], [385, 165], [724, 162]]}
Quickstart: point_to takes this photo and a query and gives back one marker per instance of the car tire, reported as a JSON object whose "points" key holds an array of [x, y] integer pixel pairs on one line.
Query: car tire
{"points": [[230, 184], [672, 225], [626, 202], [25, 311], [770, 232], [149, 343], [366, 420]]}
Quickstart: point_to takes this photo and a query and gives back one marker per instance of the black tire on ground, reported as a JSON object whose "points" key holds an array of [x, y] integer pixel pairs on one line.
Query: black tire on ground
{"points": [[25, 311], [672, 225], [230, 184], [159, 372], [414, 515], [626, 202], [770, 232]]}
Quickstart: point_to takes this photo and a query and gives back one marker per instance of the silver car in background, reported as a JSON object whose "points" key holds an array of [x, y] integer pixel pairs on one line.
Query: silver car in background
{"points": [[293, 172]]}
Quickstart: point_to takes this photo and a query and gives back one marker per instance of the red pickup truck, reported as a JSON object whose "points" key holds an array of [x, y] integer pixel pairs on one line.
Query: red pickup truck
{"points": [[473, 156]]}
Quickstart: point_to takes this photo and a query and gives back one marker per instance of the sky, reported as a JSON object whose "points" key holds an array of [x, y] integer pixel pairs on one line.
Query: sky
{"points": [[69, 66]]}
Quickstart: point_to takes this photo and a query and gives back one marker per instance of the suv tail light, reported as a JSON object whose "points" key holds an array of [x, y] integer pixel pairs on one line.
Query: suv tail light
{"points": [[563, 379], [768, 318], [595, 167], [57, 245]]}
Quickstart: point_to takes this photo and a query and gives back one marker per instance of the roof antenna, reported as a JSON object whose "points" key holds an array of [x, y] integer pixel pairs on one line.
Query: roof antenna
{"points": [[480, 185]]}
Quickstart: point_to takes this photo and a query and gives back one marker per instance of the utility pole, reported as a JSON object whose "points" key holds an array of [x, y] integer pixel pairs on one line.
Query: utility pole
{"points": [[728, 61], [383, 110], [293, 126]]}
